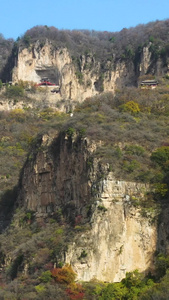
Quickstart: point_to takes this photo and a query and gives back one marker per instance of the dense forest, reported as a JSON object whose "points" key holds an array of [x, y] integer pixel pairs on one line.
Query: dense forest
{"points": [[133, 128]]}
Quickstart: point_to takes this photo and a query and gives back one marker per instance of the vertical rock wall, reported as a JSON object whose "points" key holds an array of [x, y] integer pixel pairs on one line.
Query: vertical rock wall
{"points": [[112, 236], [56, 176], [57, 64], [120, 239]]}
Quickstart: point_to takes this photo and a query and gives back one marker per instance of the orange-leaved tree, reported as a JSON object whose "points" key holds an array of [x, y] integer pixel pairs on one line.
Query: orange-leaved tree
{"points": [[64, 275]]}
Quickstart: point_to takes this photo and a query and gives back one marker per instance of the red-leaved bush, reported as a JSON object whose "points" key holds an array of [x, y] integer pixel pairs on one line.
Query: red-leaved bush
{"points": [[64, 275]]}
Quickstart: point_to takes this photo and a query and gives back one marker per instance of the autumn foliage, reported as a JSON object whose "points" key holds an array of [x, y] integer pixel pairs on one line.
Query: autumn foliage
{"points": [[131, 107], [75, 291], [64, 275]]}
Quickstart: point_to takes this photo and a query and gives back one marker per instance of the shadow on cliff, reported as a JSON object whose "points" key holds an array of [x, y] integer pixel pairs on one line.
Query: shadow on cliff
{"points": [[7, 206], [6, 73], [163, 229]]}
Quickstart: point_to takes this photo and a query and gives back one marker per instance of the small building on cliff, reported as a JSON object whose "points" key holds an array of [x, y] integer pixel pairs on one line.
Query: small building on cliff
{"points": [[149, 84]]}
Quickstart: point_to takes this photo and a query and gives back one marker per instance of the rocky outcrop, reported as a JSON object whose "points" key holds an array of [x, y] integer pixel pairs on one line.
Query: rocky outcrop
{"points": [[112, 235], [145, 61], [56, 178], [119, 240], [87, 80]]}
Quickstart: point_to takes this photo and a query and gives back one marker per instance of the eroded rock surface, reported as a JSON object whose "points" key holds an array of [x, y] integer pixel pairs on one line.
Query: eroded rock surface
{"points": [[77, 84], [112, 236]]}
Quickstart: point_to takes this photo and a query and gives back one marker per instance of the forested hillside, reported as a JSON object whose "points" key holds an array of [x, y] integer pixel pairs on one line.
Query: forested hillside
{"points": [[133, 127], [130, 133], [105, 46], [125, 44]]}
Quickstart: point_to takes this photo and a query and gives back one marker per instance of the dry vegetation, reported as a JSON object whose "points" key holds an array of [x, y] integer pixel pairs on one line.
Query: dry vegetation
{"points": [[103, 43], [105, 47], [133, 126], [5, 51]]}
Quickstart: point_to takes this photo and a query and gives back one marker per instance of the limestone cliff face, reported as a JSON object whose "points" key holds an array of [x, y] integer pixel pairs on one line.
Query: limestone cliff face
{"points": [[56, 177], [89, 78], [57, 64], [120, 240], [145, 61], [112, 235], [149, 66]]}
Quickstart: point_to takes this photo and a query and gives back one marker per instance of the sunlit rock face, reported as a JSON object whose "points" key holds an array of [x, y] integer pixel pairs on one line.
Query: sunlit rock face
{"points": [[112, 235], [120, 239], [56, 64]]}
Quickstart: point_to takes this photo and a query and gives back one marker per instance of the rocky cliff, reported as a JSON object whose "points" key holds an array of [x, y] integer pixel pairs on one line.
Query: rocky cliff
{"points": [[57, 64], [63, 179], [120, 239], [89, 77], [112, 235]]}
